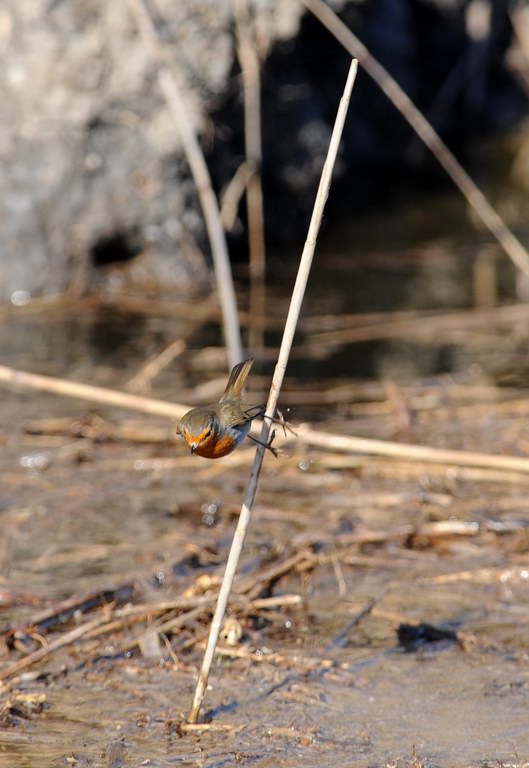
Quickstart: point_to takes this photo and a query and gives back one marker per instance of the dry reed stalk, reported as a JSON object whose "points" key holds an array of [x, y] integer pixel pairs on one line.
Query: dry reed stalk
{"points": [[169, 625], [209, 728], [279, 372], [65, 639], [341, 638], [322, 440], [250, 67], [454, 475], [479, 575], [58, 433], [420, 325], [338, 322], [286, 344], [199, 169], [420, 453], [297, 661], [112, 619], [200, 310], [231, 195], [485, 278], [103, 395], [54, 301], [306, 735], [476, 199], [142, 379], [256, 582], [279, 601]]}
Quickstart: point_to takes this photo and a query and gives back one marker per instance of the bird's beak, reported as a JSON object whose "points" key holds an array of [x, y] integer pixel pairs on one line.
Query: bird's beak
{"points": [[193, 447]]}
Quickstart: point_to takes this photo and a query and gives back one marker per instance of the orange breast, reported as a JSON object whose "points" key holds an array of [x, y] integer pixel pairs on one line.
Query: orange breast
{"points": [[217, 447]]}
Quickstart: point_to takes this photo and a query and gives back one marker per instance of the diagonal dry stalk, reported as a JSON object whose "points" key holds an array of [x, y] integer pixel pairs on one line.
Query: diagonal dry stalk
{"points": [[65, 388], [277, 381], [400, 99], [149, 370], [15, 379], [199, 169]]}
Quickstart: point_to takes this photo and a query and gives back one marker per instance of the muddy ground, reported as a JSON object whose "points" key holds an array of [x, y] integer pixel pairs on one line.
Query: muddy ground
{"points": [[380, 613]]}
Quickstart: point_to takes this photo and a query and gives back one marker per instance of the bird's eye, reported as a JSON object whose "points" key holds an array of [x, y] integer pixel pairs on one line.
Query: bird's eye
{"points": [[208, 434]]}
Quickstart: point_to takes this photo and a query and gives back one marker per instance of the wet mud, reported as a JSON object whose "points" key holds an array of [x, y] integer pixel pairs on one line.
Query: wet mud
{"points": [[379, 616]]}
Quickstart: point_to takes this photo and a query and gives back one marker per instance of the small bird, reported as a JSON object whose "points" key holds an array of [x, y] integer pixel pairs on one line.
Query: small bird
{"points": [[215, 430]]}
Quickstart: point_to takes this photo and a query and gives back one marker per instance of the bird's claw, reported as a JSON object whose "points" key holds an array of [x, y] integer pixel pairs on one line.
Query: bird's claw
{"points": [[285, 425], [268, 445]]}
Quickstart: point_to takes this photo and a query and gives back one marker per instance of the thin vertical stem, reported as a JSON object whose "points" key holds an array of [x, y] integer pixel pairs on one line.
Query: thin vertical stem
{"points": [[250, 68], [199, 169]]}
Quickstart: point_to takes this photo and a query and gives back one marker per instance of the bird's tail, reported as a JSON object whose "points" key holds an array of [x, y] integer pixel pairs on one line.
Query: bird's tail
{"points": [[238, 376]]}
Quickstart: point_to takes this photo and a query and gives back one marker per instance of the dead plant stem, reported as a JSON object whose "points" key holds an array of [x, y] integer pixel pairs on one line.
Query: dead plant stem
{"points": [[476, 199], [65, 639], [199, 169], [250, 66], [103, 395], [143, 378], [406, 451], [284, 352], [15, 379]]}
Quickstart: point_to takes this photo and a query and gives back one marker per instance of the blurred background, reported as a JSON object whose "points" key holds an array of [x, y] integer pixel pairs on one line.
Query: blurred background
{"points": [[96, 194]]}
